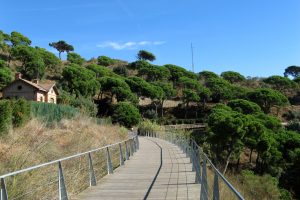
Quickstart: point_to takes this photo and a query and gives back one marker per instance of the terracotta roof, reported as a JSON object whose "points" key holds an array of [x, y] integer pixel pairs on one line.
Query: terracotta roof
{"points": [[47, 85], [44, 85], [33, 84]]}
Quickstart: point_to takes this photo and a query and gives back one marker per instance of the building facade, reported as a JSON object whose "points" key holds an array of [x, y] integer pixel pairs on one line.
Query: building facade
{"points": [[33, 91]]}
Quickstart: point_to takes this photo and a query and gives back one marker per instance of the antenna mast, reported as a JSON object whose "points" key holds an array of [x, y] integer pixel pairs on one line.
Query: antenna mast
{"points": [[192, 49]]}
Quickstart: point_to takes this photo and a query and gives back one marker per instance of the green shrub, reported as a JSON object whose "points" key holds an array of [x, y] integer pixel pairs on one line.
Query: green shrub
{"points": [[121, 70], [126, 114], [5, 117], [85, 105], [20, 112], [52, 112], [260, 187], [285, 195], [149, 127]]}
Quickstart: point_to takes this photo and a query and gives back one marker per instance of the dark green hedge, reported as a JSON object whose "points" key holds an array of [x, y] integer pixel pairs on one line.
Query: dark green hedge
{"points": [[5, 117], [13, 113]]}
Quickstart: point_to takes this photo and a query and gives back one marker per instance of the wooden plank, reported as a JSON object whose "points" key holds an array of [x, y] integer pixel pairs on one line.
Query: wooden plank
{"points": [[132, 181]]}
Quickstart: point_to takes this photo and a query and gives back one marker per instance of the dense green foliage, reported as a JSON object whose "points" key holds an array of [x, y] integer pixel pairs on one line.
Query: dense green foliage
{"points": [[79, 81], [145, 55], [105, 61], [14, 113], [126, 114], [75, 58], [20, 112], [5, 117], [267, 98], [61, 46], [244, 106], [233, 77], [5, 76], [293, 71]]}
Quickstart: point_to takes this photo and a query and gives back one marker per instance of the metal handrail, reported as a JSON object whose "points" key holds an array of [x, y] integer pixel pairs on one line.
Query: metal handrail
{"points": [[190, 147], [133, 143], [219, 173]]}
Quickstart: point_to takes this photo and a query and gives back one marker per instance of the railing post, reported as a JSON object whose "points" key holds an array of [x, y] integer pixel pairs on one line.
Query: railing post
{"points": [[131, 147], [134, 145], [4, 195], [126, 151], [93, 181], [62, 191], [216, 187], [109, 164], [137, 142], [193, 158], [197, 168], [204, 191], [121, 155]]}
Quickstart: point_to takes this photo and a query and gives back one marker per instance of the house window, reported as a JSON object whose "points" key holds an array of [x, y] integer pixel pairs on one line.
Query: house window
{"points": [[20, 87], [41, 99], [52, 100]]}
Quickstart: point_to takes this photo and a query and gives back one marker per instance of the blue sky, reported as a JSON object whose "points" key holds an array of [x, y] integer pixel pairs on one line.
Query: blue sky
{"points": [[255, 38]]}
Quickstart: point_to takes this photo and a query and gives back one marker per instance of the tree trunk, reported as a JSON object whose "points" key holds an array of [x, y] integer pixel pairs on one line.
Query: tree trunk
{"points": [[203, 104], [59, 55], [250, 158], [186, 107], [156, 108], [111, 98], [227, 162], [162, 109], [257, 162], [238, 164]]}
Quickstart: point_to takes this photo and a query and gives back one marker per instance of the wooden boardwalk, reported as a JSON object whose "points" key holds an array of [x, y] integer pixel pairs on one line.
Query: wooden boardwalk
{"points": [[158, 170]]}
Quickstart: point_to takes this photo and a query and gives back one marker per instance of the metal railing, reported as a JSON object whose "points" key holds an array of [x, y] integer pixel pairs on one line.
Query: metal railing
{"points": [[200, 163], [115, 155]]}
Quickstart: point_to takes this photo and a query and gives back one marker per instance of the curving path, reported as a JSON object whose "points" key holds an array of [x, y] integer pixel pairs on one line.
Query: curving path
{"points": [[158, 170]]}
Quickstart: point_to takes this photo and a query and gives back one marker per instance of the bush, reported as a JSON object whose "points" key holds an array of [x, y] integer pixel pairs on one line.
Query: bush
{"points": [[105, 61], [121, 70], [148, 127], [244, 106], [293, 125], [5, 76], [125, 114], [20, 112], [51, 112], [5, 117], [85, 105], [260, 187]]}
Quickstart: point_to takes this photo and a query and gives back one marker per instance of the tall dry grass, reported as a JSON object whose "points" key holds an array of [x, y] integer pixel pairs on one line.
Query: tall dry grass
{"points": [[37, 143], [259, 188]]}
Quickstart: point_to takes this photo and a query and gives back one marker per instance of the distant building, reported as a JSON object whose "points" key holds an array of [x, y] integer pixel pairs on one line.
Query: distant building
{"points": [[45, 91]]}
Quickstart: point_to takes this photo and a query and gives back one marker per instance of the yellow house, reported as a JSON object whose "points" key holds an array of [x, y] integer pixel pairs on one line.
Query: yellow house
{"points": [[35, 90]]}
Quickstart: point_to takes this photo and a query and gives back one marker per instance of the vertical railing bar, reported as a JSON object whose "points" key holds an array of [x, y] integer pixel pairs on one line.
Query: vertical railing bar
{"points": [[126, 151], [121, 155], [3, 195], [216, 187], [204, 191], [109, 164], [93, 181], [62, 191]]}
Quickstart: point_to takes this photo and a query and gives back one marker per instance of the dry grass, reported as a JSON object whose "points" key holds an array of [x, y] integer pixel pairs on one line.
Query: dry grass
{"points": [[261, 188], [35, 144]]}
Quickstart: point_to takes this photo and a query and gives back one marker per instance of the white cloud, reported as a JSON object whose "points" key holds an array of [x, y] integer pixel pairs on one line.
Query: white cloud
{"points": [[128, 45]]}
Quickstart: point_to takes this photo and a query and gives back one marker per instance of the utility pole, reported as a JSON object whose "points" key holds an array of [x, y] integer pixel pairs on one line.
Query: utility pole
{"points": [[192, 49]]}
